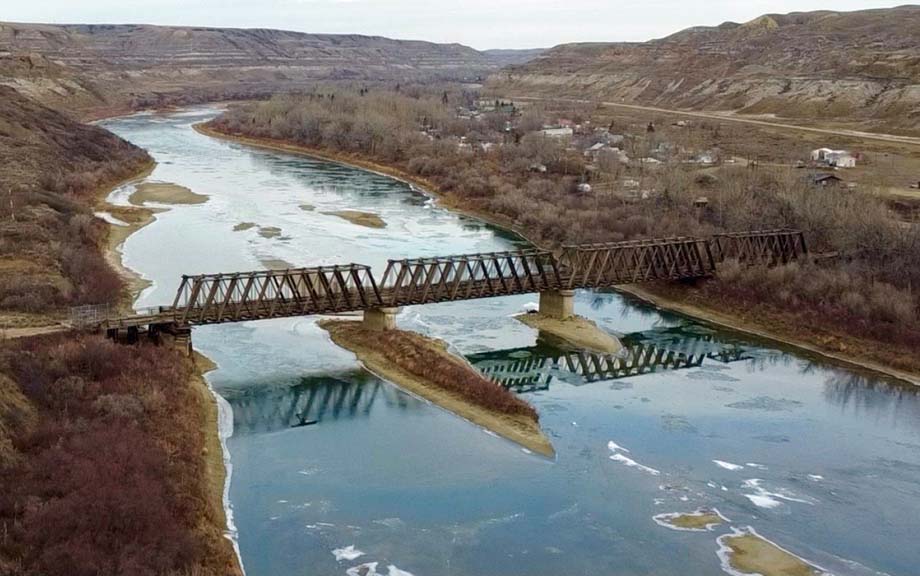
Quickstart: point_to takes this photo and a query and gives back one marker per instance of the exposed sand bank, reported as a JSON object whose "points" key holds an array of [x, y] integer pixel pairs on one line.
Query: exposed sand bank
{"points": [[134, 218], [244, 226], [389, 361], [269, 231], [366, 219], [276, 264], [747, 552], [164, 193], [575, 330], [699, 521], [307, 207]]}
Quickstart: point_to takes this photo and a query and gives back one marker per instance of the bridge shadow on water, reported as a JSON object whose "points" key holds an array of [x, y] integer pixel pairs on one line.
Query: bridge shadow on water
{"points": [[674, 348], [312, 400]]}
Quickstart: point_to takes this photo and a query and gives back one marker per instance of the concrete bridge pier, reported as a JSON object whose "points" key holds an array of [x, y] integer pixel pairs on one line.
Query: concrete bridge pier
{"points": [[381, 318], [557, 304]]}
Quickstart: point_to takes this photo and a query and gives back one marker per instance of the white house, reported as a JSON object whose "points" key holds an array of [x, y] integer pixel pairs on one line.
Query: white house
{"points": [[837, 158], [558, 132]]}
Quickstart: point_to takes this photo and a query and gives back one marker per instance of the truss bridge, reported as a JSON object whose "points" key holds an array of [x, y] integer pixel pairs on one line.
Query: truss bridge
{"points": [[256, 295]]}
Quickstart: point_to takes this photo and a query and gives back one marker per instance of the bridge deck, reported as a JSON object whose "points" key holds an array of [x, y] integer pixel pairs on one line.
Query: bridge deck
{"points": [[264, 294]]}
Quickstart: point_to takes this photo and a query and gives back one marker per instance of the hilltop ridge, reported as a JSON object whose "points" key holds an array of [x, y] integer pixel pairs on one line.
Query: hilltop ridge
{"points": [[93, 69], [862, 65]]}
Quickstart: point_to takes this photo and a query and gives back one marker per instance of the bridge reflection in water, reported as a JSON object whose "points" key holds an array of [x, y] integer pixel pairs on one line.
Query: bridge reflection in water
{"points": [[536, 367], [314, 399]]}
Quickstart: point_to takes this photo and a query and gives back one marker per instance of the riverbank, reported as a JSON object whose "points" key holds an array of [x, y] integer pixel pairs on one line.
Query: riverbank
{"points": [[785, 331], [424, 367], [132, 219], [845, 348]]}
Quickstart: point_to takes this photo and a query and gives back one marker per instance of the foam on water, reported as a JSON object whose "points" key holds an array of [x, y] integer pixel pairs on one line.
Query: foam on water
{"points": [[633, 464], [347, 553], [368, 569], [727, 465], [614, 447], [767, 499]]}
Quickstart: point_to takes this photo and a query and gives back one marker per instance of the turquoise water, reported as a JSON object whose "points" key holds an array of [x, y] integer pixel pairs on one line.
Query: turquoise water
{"points": [[817, 457]]}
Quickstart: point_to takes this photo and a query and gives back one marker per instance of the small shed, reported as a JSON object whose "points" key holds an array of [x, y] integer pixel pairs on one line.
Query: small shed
{"points": [[825, 180]]}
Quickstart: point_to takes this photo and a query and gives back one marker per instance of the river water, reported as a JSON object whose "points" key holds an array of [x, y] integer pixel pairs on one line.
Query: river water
{"points": [[817, 457]]}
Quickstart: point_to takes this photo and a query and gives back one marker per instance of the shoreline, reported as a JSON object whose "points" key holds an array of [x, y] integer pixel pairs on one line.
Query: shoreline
{"points": [[694, 312], [729, 322], [135, 218], [214, 452]]}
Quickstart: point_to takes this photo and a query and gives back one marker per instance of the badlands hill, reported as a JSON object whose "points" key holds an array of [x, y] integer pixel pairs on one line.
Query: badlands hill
{"points": [[87, 67], [862, 65]]}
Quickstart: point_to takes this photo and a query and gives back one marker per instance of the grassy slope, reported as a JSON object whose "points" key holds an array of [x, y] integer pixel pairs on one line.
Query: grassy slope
{"points": [[52, 169]]}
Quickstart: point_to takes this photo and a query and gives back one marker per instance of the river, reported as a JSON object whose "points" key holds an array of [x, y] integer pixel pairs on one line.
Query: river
{"points": [[817, 457]]}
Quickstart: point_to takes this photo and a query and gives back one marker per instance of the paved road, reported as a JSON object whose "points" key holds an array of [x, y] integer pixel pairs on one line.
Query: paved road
{"points": [[890, 138]]}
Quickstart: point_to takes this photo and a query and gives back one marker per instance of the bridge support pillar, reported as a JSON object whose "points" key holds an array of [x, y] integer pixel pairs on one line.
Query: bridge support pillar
{"points": [[381, 318], [557, 304]]}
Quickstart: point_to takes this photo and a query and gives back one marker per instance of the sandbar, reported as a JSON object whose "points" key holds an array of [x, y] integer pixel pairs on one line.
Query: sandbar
{"points": [[407, 358], [575, 330], [367, 219], [164, 193], [747, 552]]}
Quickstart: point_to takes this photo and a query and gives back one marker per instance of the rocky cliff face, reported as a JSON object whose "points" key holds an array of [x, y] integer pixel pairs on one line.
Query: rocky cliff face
{"points": [[88, 66], [831, 65]]}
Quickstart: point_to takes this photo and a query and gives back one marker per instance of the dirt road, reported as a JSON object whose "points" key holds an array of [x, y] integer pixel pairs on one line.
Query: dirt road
{"points": [[729, 117]]}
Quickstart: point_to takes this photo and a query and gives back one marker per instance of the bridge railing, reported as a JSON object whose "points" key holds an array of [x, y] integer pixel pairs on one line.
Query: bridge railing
{"points": [[212, 298], [467, 276], [615, 263], [90, 315], [760, 247]]}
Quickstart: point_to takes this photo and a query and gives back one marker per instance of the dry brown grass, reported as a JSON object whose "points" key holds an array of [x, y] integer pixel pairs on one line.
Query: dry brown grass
{"points": [[414, 354], [110, 478]]}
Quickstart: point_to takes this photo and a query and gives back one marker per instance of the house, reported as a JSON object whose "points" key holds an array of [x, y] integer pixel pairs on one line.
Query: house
{"points": [[538, 168], [613, 139], [836, 158], [650, 161], [825, 180], [596, 149], [704, 158], [557, 132], [583, 188]]}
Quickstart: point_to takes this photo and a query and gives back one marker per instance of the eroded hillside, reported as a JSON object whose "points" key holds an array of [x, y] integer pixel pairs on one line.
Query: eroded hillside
{"points": [[817, 65], [112, 68], [51, 167]]}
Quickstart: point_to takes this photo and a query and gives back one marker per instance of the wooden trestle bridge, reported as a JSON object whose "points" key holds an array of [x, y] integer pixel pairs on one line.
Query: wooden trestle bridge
{"points": [[264, 294]]}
